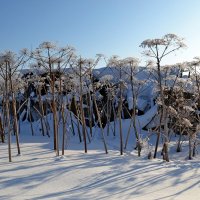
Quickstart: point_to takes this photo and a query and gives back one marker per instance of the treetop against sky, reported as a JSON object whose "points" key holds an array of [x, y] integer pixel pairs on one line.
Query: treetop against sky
{"points": [[99, 26]]}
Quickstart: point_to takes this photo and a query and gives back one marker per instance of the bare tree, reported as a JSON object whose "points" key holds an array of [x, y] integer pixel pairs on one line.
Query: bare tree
{"points": [[158, 49], [114, 61], [10, 63], [49, 57]]}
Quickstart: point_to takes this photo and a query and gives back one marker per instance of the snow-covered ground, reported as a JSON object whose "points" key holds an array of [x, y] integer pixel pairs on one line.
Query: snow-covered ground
{"points": [[39, 174]]}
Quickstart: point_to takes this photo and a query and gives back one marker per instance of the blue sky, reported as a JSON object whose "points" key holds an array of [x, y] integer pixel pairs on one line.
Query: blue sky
{"points": [[112, 27]]}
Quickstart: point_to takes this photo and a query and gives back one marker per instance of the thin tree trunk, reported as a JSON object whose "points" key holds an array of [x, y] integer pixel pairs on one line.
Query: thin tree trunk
{"points": [[160, 86], [81, 108], [8, 129], [100, 124], [7, 112], [120, 122], [79, 131], [19, 120], [179, 148], [83, 123], [194, 149], [14, 115], [55, 120], [166, 138], [90, 117], [42, 126], [114, 122], [72, 124], [2, 131], [77, 117], [55, 128], [64, 129], [32, 130], [43, 120], [42, 111], [190, 148], [108, 113], [165, 152]]}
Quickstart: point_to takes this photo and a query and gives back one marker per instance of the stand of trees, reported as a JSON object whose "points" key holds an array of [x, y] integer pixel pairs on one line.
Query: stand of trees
{"points": [[80, 99]]}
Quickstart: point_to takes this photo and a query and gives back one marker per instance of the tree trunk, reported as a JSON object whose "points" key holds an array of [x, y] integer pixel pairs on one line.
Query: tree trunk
{"points": [[2, 131], [81, 108], [165, 152], [30, 117], [99, 120], [8, 129], [179, 148], [14, 115], [55, 120], [90, 117], [120, 122], [114, 122], [194, 150], [190, 148], [64, 128]]}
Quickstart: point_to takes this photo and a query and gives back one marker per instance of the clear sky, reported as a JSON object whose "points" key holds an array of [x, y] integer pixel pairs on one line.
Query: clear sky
{"points": [[112, 27]]}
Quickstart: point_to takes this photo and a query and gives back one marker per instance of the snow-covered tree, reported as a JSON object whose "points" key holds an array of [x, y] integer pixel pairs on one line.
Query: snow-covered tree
{"points": [[51, 58], [9, 64], [158, 49]]}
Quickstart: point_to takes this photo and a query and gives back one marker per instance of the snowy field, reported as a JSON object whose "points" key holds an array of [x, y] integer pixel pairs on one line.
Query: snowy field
{"points": [[39, 174]]}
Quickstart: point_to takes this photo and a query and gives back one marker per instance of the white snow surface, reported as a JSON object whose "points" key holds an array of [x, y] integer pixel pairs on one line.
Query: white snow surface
{"points": [[141, 103], [143, 120], [39, 174]]}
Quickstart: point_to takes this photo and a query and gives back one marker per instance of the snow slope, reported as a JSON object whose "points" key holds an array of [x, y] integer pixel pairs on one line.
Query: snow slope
{"points": [[38, 174]]}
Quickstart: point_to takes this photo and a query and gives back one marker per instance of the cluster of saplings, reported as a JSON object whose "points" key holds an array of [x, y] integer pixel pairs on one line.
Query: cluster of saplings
{"points": [[68, 87]]}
